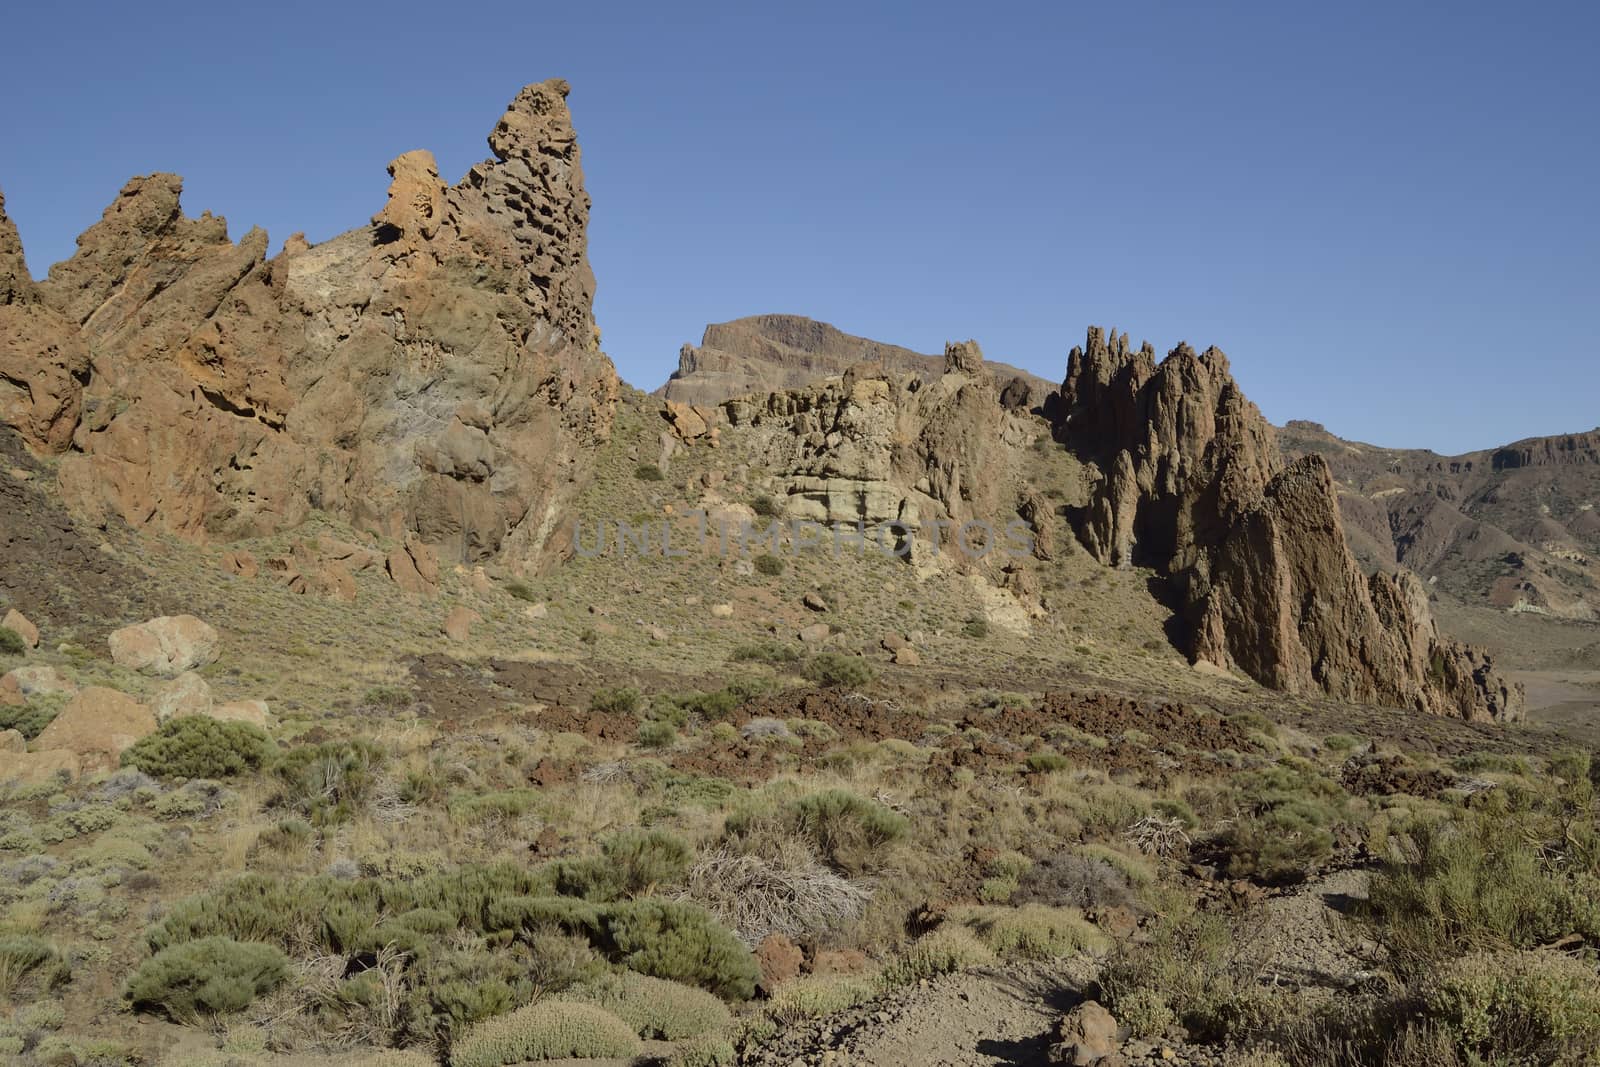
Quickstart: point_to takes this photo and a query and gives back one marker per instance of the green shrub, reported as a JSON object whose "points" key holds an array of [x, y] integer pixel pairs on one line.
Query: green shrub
{"points": [[1195, 970], [1290, 815], [1518, 1007], [11, 643], [547, 1030], [631, 864], [838, 822], [623, 700], [450, 990], [766, 507], [521, 590], [1477, 882], [648, 472], [1033, 931], [834, 668], [813, 996], [976, 627], [1046, 762], [328, 782], [198, 746], [680, 942], [948, 949], [775, 653], [768, 564], [212, 976], [657, 734], [707, 1051], [654, 1007], [30, 959], [29, 719]]}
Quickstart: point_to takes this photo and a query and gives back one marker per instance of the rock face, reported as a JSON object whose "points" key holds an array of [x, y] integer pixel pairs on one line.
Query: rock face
{"points": [[876, 447], [436, 372], [1190, 481], [776, 353]]}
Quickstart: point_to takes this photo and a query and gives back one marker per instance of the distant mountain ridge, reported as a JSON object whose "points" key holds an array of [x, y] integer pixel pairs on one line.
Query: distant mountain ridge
{"points": [[1517, 526], [768, 353]]}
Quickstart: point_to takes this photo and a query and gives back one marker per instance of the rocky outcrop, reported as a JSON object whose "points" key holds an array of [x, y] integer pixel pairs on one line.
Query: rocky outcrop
{"points": [[875, 447], [1189, 481], [778, 353], [436, 372], [43, 364]]}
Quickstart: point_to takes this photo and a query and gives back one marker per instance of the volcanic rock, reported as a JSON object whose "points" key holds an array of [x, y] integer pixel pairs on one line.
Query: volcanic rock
{"points": [[18, 624], [165, 646], [1189, 480], [96, 725], [435, 373]]}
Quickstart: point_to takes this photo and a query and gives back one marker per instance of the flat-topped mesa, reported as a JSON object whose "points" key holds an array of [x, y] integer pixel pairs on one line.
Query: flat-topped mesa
{"points": [[435, 372], [1188, 479]]}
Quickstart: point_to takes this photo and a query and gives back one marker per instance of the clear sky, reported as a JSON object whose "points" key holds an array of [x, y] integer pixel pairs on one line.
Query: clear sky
{"points": [[1386, 214]]}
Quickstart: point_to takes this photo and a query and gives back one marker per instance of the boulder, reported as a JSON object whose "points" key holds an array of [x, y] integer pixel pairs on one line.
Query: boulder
{"points": [[254, 712], [414, 567], [779, 959], [818, 631], [187, 694], [906, 656], [20, 684], [18, 624], [12, 741], [39, 768], [165, 646], [722, 611], [1088, 1034], [96, 725], [241, 563], [814, 602], [458, 624]]}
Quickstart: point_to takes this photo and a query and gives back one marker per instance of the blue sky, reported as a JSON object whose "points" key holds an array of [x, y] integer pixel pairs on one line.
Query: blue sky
{"points": [[1386, 214]]}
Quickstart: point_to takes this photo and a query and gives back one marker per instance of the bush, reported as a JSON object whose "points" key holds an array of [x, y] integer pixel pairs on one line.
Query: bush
{"points": [[766, 507], [11, 643], [813, 996], [212, 976], [1292, 812], [449, 991], [29, 719], [680, 942], [1034, 931], [654, 1007], [772, 652], [648, 472], [657, 734], [948, 949], [1518, 1007], [623, 700], [24, 958], [1477, 883], [328, 783], [834, 668], [198, 746], [547, 1030], [976, 627], [788, 893], [521, 590], [1197, 970], [708, 1051], [840, 823], [631, 864], [768, 564]]}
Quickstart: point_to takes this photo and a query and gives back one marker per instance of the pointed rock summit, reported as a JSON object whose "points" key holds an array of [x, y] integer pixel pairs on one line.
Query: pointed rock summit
{"points": [[435, 373], [1188, 479]]}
